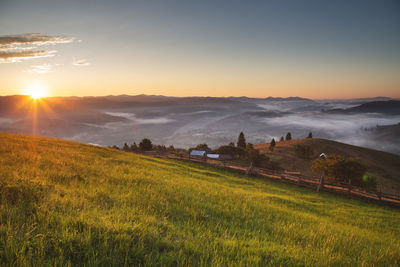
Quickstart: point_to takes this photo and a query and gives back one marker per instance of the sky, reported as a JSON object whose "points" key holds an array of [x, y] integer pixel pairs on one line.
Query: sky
{"points": [[314, 49]]}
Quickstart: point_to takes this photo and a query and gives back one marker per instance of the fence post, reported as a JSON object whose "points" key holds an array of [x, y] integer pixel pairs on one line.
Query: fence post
{"points": [[321, 183], [249, 169], [380, 192], [298, 180]]}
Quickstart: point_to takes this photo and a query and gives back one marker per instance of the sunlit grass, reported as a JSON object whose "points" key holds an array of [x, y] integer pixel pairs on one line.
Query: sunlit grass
{"points": [[68, 203]]}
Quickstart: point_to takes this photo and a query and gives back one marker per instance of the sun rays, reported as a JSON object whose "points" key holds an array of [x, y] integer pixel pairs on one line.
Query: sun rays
{"points": [[36, 91], [35, 106]]}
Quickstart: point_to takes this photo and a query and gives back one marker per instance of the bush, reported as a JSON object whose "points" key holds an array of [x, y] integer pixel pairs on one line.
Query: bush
{"points": [[261, 160], [341, 169], [369, 182], [235, 152], [254, 156]]}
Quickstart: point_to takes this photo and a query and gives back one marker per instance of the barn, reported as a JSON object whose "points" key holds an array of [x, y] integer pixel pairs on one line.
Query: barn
{"points": [[200, 154]]}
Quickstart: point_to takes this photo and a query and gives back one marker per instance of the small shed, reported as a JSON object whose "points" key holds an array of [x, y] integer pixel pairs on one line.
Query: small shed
{"points": [[219, 156], [198, 154]]}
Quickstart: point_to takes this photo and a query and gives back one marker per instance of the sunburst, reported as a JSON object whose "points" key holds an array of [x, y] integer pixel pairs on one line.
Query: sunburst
{"points": [[35, 91]]}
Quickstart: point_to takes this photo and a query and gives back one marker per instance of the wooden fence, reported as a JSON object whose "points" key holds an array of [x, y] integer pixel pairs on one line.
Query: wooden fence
{"points": [[295, 178]]}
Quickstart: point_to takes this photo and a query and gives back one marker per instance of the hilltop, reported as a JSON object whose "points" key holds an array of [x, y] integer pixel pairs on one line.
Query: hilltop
{"points": [[388, 107], [68, 203], [385, 166]]}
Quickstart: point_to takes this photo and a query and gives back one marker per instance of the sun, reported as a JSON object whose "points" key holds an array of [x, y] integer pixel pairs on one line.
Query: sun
{"points": [[36, 91]]}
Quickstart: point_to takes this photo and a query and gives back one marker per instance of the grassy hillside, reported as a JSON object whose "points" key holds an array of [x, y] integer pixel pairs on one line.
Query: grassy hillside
{"points": [[385, 166], [69, 203]]}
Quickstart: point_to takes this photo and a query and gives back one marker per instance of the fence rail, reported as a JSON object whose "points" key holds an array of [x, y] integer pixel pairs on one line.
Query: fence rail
{"points": [[295, 178]]}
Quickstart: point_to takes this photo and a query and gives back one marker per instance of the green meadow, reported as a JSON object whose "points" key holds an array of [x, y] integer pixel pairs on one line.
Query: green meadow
{"points": [[66, 203]]}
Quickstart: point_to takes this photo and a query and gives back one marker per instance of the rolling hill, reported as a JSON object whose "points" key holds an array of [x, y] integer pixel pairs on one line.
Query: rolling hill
{"points": [[385, 166], [389, 107], [67, 203]]}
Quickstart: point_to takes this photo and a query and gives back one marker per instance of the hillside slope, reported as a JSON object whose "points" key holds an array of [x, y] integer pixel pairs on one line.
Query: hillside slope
{"points": [[69, 203], [385, 166]]}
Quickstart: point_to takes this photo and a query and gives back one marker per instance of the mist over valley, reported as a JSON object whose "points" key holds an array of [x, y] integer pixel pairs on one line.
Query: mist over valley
{"points": [[188, 121]]}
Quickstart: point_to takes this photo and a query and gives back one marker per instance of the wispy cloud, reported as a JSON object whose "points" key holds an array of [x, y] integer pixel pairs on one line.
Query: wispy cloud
{"points": [[30, 41], [15, 48], [40, 69], [80, 62], [13, 57]]}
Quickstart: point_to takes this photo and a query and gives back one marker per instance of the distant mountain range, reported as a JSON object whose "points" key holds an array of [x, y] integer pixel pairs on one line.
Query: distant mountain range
{"points": [[188, 121], [390, 107]]}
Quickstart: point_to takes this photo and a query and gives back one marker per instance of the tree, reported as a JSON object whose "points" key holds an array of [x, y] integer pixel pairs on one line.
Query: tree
{"points": [[231, 144], [126, 147], [349, 171], [249, 146], [255, 158], [134, 147], [261, 160], [145, 145], [160, 148], [341, 169], [272, 144], [281, 139], [288, 136], [241, 141], [235, 152], [309, 135], [203, 147], [369, 182]]}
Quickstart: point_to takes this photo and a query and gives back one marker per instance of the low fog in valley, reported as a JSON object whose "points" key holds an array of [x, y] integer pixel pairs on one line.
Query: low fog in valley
{"points": [[185, 122]]}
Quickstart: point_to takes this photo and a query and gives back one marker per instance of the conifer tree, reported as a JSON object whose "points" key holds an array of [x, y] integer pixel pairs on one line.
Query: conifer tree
{"points": [[145, 145], [241, 141], [272, 144], [134, 147], [288, 136], [126, 147]]}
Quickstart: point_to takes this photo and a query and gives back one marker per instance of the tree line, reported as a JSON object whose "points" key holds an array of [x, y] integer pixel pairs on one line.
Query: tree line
{"points": [[335, 168]]}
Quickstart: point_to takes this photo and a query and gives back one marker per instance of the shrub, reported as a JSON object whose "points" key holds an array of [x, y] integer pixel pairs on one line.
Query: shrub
{"points": [[341, 169], [369, 182], [235, 152]]}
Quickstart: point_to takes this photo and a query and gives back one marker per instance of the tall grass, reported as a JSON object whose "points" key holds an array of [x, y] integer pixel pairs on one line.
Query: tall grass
{"points": [[65, 203]]}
